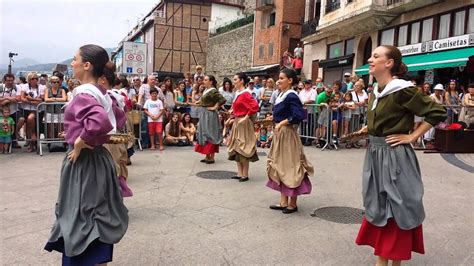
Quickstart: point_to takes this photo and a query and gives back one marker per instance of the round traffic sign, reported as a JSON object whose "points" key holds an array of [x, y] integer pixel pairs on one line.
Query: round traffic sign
{"points": [[139, 58], [130, 57], [139, 70]]}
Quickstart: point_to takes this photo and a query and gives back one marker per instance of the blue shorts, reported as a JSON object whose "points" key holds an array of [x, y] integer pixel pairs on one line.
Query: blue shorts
{"points": [[6, 140]]}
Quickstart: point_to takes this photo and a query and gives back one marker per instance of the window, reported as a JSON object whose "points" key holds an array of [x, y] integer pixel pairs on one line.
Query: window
{"points": [[388, 37], [444, 26], [270, 49], [427, 33], [260, 51], [459, 20], [402, 35], [349, 49], [415, 33], [271, 19], [470, 23], [335, 50], [332, 5]]}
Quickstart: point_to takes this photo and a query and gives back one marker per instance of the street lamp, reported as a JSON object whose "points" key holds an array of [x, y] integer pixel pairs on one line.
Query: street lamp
{"points": [[11, 55]]}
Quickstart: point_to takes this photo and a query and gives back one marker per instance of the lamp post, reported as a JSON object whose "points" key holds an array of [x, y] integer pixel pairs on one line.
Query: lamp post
{"points": [[11, 55]]}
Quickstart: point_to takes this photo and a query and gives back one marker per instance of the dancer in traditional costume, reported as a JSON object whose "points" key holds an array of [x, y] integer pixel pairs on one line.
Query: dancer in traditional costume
{"points": [[209, 129], [90, 214], [391, 183], [242, 145], [287, 166]]}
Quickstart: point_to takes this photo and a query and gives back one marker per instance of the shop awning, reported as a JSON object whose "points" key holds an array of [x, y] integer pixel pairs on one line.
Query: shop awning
{"points": [[451, 58]]}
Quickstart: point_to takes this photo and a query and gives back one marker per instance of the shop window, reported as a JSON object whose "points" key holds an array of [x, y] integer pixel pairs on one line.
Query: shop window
{"points": [[470, 23], [335, 50], [403, 35], [415, 33], [270, 49], [260, 51], [459, 20], [444, 26], [388, 37], [349, 49], [427, 33]]}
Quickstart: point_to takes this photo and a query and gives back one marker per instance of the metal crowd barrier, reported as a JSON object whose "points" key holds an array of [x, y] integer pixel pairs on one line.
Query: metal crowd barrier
{"points": [[319, 125], [134, 124], [50, 124]]}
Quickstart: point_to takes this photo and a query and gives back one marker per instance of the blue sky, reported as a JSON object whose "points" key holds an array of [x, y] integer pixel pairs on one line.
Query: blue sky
{"points": [[50, 31]]}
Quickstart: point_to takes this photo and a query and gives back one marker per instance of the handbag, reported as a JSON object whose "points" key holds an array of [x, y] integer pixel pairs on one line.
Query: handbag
{"points": [[136, 117]]}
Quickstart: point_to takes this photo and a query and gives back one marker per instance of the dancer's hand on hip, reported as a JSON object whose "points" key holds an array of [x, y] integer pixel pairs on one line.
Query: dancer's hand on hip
{"points": [[79, 144], [397, 139]]}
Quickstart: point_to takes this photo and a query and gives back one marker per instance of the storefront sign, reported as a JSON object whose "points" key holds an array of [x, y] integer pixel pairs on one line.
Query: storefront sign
{"points": [[438, 45]]}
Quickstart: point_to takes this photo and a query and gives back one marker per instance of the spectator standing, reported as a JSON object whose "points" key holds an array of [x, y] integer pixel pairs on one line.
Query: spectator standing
{"points": [[257, 87], [180, 102], [194, 103], [298, 52], [360, 98], [467, 112], [265, 104], [438, 97], [227, 91], [286, 60], [155, 110], [319, 85], [297, 65], [9, 97], [7, 126], [345, 84], [307, 96], [54, 118], [168, 91], [323, 117], [199, 74], [32, 94], [451, 97]]}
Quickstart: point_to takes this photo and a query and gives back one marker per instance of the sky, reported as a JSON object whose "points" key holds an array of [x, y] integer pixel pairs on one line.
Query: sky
{"points": [[51, 31]]}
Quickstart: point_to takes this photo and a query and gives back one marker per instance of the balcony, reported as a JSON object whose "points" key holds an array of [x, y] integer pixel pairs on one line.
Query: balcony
{"points": [[401, 6], [309, 27], [264, 5], [331, 6]]}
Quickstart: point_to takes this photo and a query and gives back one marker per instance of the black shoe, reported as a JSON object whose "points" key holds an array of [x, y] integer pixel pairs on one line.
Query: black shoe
{"points": [[288, 211], [203, 160], [235, 177], [277, 207], [15, 145], [243, 179], [210, 162]]}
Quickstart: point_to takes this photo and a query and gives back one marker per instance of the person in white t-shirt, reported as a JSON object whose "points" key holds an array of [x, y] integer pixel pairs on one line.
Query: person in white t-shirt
{"points": [[154, 109], [360, 98], [307, 96], [32, 94]]}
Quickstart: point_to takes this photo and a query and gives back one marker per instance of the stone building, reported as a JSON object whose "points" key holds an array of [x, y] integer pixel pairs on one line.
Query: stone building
{"points": [[436, 37]]}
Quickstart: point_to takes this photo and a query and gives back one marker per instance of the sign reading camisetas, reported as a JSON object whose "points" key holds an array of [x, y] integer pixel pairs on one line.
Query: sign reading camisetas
{"points": [[438, 45], [134, 58]]}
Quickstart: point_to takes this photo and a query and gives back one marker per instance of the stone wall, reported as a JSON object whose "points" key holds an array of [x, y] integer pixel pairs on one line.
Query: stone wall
{"points": [[230, 52]]}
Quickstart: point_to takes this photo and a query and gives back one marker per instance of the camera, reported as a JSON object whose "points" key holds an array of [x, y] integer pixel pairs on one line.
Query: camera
{"points": [[31, 94], [12, 54]]}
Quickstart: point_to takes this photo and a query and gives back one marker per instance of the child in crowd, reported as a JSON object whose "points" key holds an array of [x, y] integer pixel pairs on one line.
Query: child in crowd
{"points": [[263, 140], [154, 109], [187, 128], [347, 108], [6, 129], [199, 74], [335, 105], [173, 132]]}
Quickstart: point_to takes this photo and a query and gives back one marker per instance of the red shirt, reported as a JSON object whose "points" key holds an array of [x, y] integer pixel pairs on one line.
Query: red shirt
{"points": [[298, 63], [245, 104]]}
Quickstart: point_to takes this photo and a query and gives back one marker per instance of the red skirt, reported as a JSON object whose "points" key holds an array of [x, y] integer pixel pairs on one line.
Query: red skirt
{"points": [[207, 149], [390, 242]]}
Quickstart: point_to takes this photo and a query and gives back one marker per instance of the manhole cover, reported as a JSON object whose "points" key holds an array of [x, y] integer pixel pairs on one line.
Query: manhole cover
{"points": [[216, 174], [261, 153], [342, 215]]}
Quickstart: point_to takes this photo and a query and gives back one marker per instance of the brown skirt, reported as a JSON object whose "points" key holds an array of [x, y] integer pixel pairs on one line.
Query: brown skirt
{"points": [[286, 162], [242, 145]]}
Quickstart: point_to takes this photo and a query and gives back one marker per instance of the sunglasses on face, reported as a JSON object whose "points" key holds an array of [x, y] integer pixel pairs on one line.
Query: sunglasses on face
{"points": [[33, 78], [55, 82]]}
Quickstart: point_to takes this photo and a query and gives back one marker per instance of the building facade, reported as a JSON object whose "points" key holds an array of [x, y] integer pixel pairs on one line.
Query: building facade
{"points": [[436, 37]]}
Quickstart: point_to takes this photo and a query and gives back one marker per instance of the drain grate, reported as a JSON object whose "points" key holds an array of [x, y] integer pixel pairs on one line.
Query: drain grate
{"points": [[216, 174], [261, 153], [338, 214]]}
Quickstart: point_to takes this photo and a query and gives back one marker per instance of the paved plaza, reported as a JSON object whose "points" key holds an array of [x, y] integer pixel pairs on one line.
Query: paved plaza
{"points": [[178, 218]]}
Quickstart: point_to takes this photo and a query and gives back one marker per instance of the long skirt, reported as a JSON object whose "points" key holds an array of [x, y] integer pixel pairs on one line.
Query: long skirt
{"points": [[392, 192], [89, 208], [120, 156], [287, 166], [209, 132], [242, 145]]}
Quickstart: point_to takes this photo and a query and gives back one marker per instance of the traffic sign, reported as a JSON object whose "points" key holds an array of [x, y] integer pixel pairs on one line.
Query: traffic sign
{"points": [[139, 58], [134, 58], [130, 57], [139, 70], [129, 70]]}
